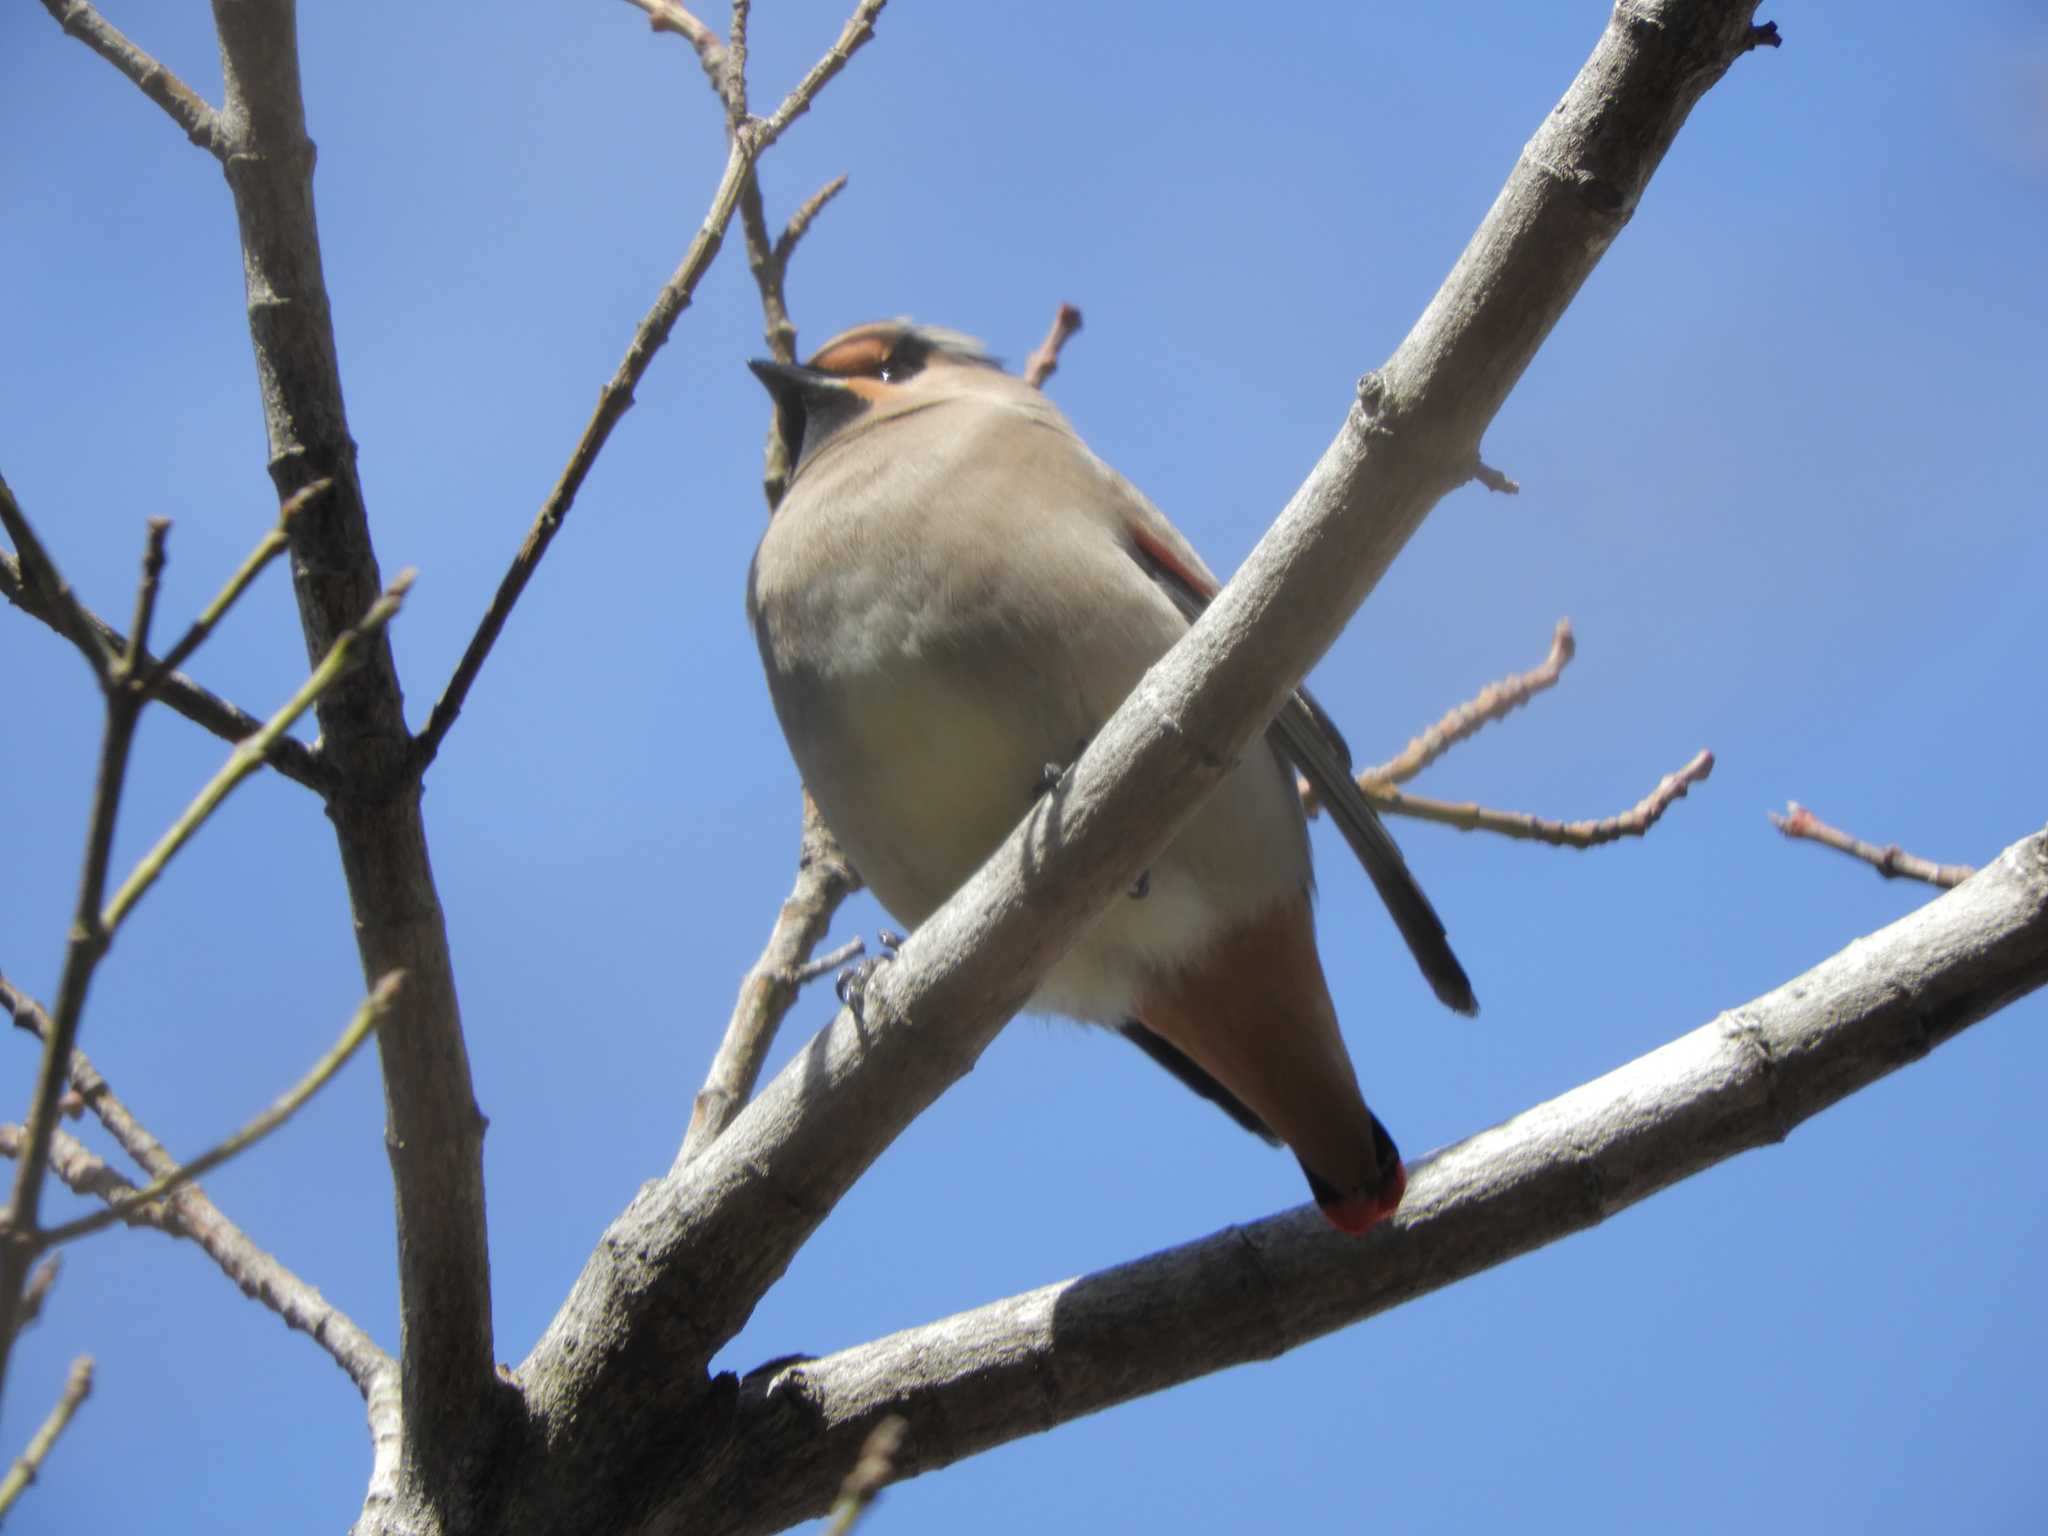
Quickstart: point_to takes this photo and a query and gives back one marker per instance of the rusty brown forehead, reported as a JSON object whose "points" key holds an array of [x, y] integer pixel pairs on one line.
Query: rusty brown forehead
{"points": [[857, 352]]}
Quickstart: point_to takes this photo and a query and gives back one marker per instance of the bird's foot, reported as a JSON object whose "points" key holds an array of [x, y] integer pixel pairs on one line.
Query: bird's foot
{"points": [[851, 985], [1050, 775]]}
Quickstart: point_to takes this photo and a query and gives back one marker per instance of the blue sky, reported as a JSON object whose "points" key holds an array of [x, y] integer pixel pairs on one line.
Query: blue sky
{"points": [[1782, 466]]}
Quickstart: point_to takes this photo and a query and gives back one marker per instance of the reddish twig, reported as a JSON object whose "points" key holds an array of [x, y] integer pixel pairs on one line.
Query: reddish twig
{"points": [[1045, 361], [1890, 861], [665, 16], [1494, 702], [1468, 817]]}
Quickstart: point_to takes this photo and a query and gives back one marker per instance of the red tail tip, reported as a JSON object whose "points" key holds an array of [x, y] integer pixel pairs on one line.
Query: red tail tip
{"points": [[1359, 1214]]}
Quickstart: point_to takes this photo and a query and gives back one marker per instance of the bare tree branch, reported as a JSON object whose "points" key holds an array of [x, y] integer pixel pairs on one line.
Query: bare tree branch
{"points": [[39, 1286], [342, 658], [454, 1405], [93, 927], [874, 1471], [86, 1173], [769, 264], [824, 879], [1467, 817], [255, 1273], [1046, 1357], [125, 693], [665, 16], [186, 107], [1494, 702], [43, 585], [749, 139], [680, 1270], [860, 26], [1045, 360], [1889, 861], [56, 607], [205, 709], [268, 548], [77, 1386], [367, 1017]]}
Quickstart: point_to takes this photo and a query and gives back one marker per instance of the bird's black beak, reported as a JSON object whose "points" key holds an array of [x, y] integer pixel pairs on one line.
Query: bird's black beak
{"points": [[809, 404]]}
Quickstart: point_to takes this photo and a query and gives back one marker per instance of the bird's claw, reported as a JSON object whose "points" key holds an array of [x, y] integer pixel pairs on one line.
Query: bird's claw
{"points": [[851, 984]]}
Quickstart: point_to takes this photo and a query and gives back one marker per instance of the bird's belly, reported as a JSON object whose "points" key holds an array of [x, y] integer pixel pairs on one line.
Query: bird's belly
{"points": [[922, 770]]}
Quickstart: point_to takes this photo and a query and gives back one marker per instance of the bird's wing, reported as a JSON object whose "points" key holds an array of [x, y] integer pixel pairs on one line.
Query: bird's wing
{"points": [[1308, 739]]}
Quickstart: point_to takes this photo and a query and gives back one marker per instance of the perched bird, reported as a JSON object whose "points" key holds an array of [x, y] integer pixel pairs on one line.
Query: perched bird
{"points": [[955, 593]]}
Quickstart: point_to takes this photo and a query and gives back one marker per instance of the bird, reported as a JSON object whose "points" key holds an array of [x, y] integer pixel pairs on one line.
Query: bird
{"points": [[952, 597]]}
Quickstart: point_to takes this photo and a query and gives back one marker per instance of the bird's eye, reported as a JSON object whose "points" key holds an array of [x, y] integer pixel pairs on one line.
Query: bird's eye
{"points": [[904, 361]]}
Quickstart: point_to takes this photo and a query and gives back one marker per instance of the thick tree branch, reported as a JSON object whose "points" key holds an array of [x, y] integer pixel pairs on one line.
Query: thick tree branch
{"points": [[679, 1272], [1048, 1356], [1890, 861], [454, 1405]]}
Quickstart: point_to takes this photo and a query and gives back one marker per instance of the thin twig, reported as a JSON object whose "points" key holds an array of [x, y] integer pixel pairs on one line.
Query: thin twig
{"points": [[1044, 362], [40, 579], [860, 26], [1890, 861], [85, 1172], [187, 108], [748, 142], [734, 89], [204, 708], [37, 1291], [123, 698], [367, 1018], [803, 975], [268, 548], [800, 222], [1494, 480], [248, 755], [1494, 702], [665, 16], [875, 1467], [824, 879], [145, 595], [1468, 817], [77, 1386], [93, 927], [252, 1271]]}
